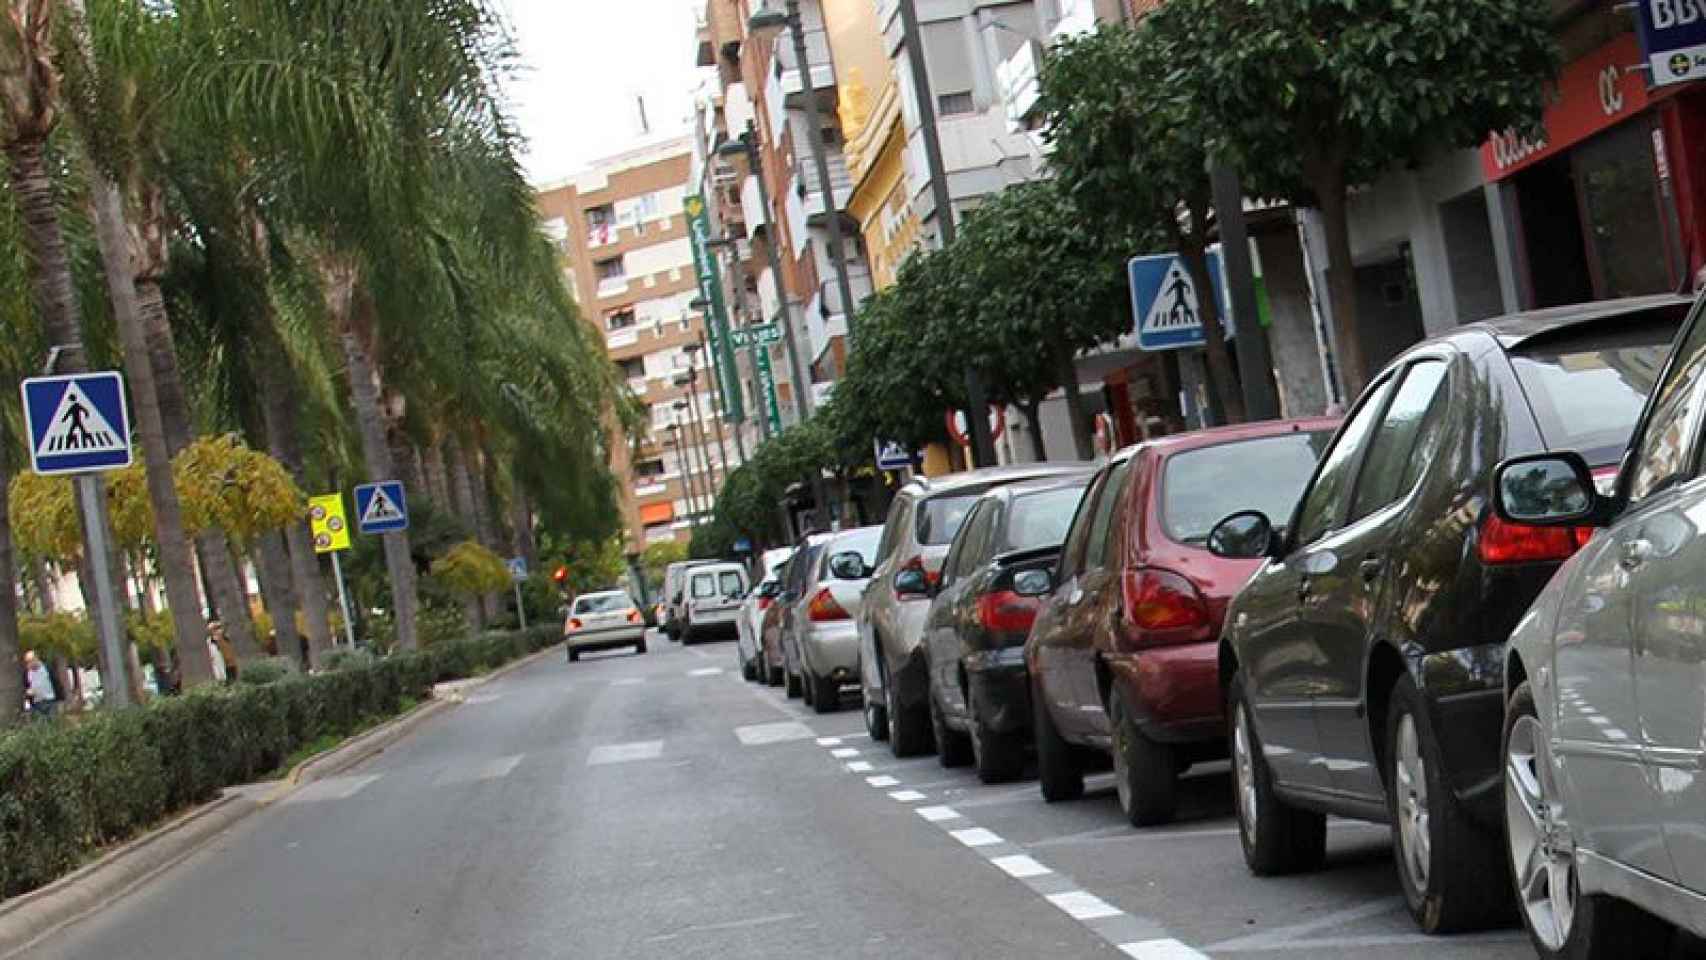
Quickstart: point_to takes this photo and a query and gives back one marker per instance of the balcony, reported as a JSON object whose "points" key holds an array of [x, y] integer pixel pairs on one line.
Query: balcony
{"points": [[750, 206], [737, 109], [637, 385], [822, 66], [612, 287], [811, 191]]}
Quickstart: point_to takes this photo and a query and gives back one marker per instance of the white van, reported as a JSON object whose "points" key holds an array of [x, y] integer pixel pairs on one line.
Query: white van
{"points": [[711, 600], [675, 596]]}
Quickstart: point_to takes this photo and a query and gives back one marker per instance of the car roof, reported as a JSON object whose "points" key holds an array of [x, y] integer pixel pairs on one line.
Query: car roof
{"points": [[716, 566], [1076, 478], [604, 593], [931, 486], [1191, 440], [1513, 329], [841, 535]]}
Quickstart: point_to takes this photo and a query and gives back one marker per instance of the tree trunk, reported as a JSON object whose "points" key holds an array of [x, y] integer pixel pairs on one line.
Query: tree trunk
{"points": [[1329, 187], [521, 517], [1076, 413], [489, 535], [1192, 250], [340, 278], [44, 582], [55, 295], [272, 559], [310, 592], [1034, 418], [436, 479], [176, 565], [11, 658]]}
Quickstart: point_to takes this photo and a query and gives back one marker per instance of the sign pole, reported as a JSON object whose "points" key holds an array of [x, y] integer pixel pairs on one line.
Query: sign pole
{"points": [[89, 494], [520, 608], [343, 600]]}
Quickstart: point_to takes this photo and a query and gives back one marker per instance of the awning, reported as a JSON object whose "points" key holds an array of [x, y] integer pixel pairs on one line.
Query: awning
{"points": [[651, 513]]}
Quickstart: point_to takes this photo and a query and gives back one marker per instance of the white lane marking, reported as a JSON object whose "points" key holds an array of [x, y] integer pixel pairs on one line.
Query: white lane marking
{"points": [[937, 814], [333, 788], [883, 780], [829, 741], [906, 796], [1080, 905], [859, 766], [705, 672], [975, 837], [627, 681], [625, 752], [1018, 866], [1318, 944], [1280, 935], [490, 770], [782, 731], [842, 753], [1165, 949], [726, 925]]}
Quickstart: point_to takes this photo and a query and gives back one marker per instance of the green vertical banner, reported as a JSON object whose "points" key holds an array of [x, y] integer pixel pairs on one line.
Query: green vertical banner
{"points": [[711, 291], [767, 388]]}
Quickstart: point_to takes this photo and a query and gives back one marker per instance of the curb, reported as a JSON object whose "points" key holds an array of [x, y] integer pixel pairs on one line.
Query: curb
{"points": [[28, 919]]}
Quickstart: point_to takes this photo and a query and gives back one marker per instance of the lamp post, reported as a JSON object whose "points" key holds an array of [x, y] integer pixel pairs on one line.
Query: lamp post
{"points": [[686, 464], [716, 418], [770, 20], [713, 466], [707, 479]]}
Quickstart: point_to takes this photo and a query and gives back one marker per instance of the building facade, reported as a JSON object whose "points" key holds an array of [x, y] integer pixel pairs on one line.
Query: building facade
{"points": [[628, 258]]}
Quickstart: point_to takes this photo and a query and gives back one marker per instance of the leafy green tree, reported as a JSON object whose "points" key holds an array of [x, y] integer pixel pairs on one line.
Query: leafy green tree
{"points": [[469, 570], [1311, 98]]}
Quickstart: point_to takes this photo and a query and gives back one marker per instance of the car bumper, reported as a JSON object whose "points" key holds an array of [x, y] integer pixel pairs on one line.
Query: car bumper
{"points": [[832, 648], [1175, 691], [1000, 689], [614, 637], [1466, 702]]}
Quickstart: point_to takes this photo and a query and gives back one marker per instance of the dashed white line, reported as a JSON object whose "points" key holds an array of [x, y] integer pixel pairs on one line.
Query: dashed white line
{"points": [[842, 753], [705, 672], [975, 837], [1165, 949], [1018, 866], [829, 741], [781, 731], [859, 766], [883, 780], [906, 796], [1081, 905], [625, 752], [937, 814]]}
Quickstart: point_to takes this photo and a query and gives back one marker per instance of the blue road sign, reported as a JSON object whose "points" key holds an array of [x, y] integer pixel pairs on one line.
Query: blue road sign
{"points": [[380, 507], [743, 545], [77, 423], [892, 456], [1673, 40], [1164, 301], [517, 568]]}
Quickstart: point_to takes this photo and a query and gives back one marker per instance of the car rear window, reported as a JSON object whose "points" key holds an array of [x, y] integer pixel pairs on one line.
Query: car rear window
{"points": [[1587, 389], [704, 585], [939, 518], [731, 582], [863, 542], [1201, 487], [603, 603], [1040, 519]]}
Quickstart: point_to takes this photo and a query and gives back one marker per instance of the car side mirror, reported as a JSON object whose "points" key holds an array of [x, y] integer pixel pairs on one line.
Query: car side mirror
{"points": [[912, 583], [1245, 535], [849, 566], [1033, 583], [1545, 490]]}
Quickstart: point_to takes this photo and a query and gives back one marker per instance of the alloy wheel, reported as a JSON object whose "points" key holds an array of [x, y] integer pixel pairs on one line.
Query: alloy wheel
{"points": [[1542, 851], [1122, 768], [1244, 772], [1410, 780]]}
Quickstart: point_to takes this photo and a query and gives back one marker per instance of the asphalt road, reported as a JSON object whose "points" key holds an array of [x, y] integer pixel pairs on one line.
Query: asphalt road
{"points": [[659, 806]]}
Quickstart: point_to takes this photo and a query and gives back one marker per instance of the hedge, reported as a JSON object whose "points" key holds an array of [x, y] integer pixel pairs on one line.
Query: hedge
{"points": [[68, 789]]}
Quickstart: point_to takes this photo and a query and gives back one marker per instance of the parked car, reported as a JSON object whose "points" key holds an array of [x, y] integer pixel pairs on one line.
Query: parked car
{"points": [[712, 601], [773, 664], [983, 609], [922, 521], [749, 647], [1604, 805], [1123, 660], [602, 621], [674, 598], [1364, 660], [820, 644]]}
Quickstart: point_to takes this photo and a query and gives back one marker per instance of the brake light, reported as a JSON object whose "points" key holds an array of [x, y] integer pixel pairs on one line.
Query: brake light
{"points": [[1162, 607], [574, 623], [633, 616], [764, 603], [823, 607], [1504, 542], [1006, 612]]}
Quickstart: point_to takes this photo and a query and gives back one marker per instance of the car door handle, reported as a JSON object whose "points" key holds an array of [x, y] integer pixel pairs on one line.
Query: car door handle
{"points": [[1635, 553], [1303, 590], [1370, 568]]}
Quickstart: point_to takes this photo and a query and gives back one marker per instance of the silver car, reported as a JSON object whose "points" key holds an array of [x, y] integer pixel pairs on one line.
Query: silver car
{"points": [[600, 621], [749, 644], [820, 642], [922, 521], [1605, 677]]}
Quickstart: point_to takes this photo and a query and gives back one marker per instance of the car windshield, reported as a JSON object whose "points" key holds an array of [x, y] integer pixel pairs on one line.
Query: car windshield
{"points": [[1200, 487], [1041, 519], [603, 603], [939, 518], [1587, 389], [862, 542]]}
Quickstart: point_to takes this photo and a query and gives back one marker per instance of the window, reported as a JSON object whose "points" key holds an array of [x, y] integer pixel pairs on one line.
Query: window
{"points": [[611, 269], [1660, 452], [974, 539], [1041, 519], [704, 586], [1072, 554], [951, 563], [603, 603], [949, 104], [632, 368], [1201, 487], [940, 517], [600, 225], [649, 468], [620, 320], [1325, 501], [1397, 445], [1099, 548], [892, 526], [731, 583]]}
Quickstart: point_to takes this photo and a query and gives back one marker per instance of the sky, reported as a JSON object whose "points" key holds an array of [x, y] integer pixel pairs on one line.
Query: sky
{"points": [[584, 63]]}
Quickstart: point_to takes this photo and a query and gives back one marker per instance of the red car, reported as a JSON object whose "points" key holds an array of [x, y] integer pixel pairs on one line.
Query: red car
{"points": [[1123, 659]]}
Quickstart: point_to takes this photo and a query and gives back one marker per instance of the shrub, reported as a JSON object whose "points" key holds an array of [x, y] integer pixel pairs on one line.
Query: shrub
{"points": [[268, 670], [68, 789]]}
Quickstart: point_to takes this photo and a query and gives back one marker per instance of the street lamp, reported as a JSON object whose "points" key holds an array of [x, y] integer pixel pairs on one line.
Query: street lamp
{"points": [[690, 381], [686, 464], [692, 351]]}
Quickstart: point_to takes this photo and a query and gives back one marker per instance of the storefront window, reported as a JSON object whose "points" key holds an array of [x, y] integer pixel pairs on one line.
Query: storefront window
{"points": [[1619, 192]]}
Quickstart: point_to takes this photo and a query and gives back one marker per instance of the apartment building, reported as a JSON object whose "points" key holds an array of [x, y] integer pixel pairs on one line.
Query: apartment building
{"points": [[628, 258]]}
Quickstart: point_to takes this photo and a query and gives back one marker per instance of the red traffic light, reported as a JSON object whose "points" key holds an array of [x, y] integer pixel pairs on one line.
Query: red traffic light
{"points": [[562, 575]]}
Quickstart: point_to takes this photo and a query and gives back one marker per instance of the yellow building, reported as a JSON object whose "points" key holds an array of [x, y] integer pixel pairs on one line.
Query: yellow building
{"points": [[868, 102]]}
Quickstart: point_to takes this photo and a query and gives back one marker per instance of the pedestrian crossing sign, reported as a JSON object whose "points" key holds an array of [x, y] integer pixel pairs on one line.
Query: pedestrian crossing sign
{"points": [[1165, 302], [380, 507], [78, 423]]}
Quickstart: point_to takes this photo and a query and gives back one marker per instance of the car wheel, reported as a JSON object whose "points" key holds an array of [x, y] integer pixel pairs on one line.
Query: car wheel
{"points": [[793, 685], [748, 671], [1060, 773], [909, 733], [1277, 837], [808, 686], [574, 655], [640, 648], [1145, 772], [1448, 868], [999, 757], [876, 716], [953, 748], [773, 676], [826, 694]]}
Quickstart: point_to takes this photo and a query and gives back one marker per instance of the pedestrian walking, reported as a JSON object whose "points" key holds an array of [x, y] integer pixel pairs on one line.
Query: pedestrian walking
{"points": [[219, 651], [40, 696]]}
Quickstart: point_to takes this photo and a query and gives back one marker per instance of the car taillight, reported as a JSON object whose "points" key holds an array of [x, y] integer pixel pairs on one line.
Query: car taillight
{"points": [[1162, 607], [633, 616], [823, 607], [1504, 542], [764, 603], [1006, 612], [574, 624]]}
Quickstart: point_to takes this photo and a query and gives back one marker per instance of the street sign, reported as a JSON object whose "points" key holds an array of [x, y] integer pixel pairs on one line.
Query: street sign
{"points": [[767, 391], [381, 508], [77, 423], [326, 521], [517, 568], [711, 291], [1673, 41], [1164, 300], [762, 334], [892, 456], [743, 545]]}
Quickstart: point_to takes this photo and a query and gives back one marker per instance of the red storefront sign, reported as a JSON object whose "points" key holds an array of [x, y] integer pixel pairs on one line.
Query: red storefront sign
{"points": [[1593, 93]]}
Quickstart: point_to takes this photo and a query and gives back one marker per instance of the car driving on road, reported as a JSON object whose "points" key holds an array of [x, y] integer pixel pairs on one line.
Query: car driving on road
{"points": [[674, 600], [602, 621], [712, 600], [1364, 660]]}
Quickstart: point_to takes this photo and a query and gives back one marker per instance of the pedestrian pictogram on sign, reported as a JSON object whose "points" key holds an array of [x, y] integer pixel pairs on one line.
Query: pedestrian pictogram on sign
{"points": [[326, 522], [892, 455], [77, 424], [381, 508], [1165, 301]]}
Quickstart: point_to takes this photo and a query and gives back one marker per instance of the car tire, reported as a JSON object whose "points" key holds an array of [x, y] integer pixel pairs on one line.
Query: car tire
{"points": [[1448, 867], [807, 686], [876, 716], [909, 728], [953, 748], [1277, 838], [748, 670], [640, 648], [826, 693], [1060, 772], [1146, 774], [998, 757], [574, 655], [793, 687], [773, 675]]}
